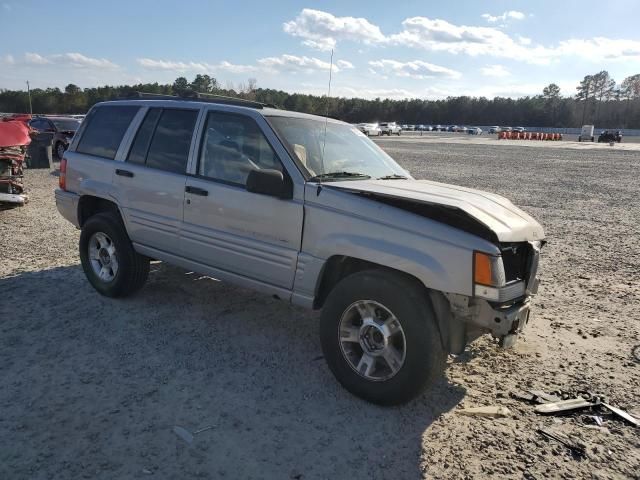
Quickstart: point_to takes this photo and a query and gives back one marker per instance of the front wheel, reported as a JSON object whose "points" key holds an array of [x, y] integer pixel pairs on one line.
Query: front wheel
{"points": [[108, 259], [380, 338]]}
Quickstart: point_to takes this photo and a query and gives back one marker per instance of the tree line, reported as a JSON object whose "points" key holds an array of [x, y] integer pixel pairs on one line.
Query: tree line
{"points": [[598, 100]]}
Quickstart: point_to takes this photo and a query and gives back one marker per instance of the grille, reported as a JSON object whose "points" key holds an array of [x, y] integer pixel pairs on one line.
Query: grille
{"points": [[516, 260]]}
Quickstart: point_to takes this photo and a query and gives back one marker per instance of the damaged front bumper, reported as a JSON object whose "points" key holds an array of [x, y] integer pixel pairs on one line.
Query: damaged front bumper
{"points": [[470, 317], [464, 318]]}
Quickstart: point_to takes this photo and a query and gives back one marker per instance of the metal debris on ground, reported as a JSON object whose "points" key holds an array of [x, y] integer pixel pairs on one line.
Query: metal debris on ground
{"points": [[577, 449], [491, 411], [186, 435], [622, 414], [597, 419], [542, 397], [566, 406], [523, 397]]}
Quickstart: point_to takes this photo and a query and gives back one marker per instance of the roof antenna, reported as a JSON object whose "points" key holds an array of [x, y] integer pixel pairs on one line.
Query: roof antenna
{"points": [[326, 120]]}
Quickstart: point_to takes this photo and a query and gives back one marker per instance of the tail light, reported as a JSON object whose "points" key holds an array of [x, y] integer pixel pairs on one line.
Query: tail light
{"points": [[62, 179]]}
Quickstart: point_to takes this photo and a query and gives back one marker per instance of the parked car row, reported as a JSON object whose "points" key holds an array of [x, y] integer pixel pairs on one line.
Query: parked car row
{"points": [[497, 129], [392, 128]]}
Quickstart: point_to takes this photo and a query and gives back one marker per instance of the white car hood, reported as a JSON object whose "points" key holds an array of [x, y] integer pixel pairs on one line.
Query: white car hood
{"points": [[508, 222]]}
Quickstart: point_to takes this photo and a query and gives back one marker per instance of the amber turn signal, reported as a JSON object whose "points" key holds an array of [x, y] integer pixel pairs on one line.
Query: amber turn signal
{"points": [[482, 264]]}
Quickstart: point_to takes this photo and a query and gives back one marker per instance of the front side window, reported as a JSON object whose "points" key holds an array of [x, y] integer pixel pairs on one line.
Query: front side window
{"points": [[105, 128], [164, 139], [232, 146], [335, 149]]}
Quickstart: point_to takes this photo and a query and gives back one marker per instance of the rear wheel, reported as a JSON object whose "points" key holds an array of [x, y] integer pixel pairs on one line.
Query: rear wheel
{"points": [[60, 149], [380, 338], [108, 259]]}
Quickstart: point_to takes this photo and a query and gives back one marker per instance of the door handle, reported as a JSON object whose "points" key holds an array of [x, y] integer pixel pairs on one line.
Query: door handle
{"points": [[124, 173], [196, 191]]}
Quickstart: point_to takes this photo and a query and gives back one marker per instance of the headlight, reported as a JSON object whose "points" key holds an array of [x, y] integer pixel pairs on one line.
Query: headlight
{"points": [[488, 276]]}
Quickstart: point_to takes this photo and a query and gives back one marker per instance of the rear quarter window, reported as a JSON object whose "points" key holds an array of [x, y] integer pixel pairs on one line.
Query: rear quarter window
{"points": [[105, 128]]}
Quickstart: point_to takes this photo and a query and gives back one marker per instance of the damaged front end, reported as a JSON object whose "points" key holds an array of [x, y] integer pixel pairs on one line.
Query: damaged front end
{"points": [[501, 310], [14, 139], [503, 279]]}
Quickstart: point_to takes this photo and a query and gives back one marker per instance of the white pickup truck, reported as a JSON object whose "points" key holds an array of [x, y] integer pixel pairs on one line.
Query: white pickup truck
{"points": [[308, 210]]}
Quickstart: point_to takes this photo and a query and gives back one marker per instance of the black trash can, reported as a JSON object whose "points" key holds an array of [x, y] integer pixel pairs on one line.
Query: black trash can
{"points": [[40, 151]]}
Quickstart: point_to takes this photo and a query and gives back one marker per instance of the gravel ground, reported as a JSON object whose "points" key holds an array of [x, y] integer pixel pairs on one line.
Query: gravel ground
{"points": [[92, 387]]}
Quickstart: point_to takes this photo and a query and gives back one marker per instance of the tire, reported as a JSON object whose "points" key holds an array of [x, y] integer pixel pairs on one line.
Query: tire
{"points": [[423, 357], [399, 132], [131, 269], [59, 150]]}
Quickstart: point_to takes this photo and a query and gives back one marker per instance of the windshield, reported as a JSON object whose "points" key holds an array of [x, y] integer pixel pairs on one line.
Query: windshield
{"points": [[70, 124], [347, 149]]}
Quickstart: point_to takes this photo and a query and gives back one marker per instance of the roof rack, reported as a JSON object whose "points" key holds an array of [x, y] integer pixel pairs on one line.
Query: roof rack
{"points": [[197, 97]]}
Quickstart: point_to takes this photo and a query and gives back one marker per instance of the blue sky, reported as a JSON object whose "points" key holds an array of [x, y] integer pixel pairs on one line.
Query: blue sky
{"points": [[381, 48]]}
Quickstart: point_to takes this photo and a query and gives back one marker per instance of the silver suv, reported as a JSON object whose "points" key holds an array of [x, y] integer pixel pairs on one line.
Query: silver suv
{"points": [[309, 210]]}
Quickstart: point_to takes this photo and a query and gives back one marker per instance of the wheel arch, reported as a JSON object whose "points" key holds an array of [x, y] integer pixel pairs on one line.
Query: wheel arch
{"points": [[338, 267], [90, 205]]}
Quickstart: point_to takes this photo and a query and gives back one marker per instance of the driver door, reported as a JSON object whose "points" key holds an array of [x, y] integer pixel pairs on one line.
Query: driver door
{"points": [[226, 227]]}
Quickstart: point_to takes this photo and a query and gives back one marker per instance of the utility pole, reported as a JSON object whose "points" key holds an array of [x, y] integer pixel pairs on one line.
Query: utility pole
{"points": [[29, 92]]}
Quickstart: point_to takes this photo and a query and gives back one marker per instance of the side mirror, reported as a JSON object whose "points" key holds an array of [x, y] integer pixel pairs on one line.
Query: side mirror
{"points": [[269, 182]]}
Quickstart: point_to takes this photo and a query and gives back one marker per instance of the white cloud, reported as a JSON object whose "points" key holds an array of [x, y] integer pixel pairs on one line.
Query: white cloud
{"points": [[7, 59], [415, 69], [524, 40], [282, 63], [79, 60], [293, 63], [495, 71], [35, 59], [599, 48], [234, 68], [201, 67], [511, 14], [322, 30], [72, 59], [344, 64]]}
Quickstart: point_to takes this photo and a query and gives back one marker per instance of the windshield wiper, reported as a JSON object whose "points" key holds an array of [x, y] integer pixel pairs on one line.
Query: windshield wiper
{"points": [[338, 175], [395, 176]]}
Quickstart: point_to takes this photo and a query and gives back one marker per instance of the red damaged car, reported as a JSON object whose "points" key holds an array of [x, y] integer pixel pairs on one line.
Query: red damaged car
{"points": [[14, 139]]}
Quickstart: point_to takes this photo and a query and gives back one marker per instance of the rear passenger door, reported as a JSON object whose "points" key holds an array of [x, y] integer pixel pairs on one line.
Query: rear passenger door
{"points": [[98, 143], [227, 227], [150, 182]]}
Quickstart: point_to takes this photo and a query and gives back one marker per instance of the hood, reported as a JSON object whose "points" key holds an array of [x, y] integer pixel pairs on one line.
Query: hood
{"points": [[460, 207]]}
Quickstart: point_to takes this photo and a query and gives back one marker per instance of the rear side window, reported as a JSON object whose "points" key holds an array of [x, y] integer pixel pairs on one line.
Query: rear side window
{"points": [[164, 139], [105, 129], [138, 152]]}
